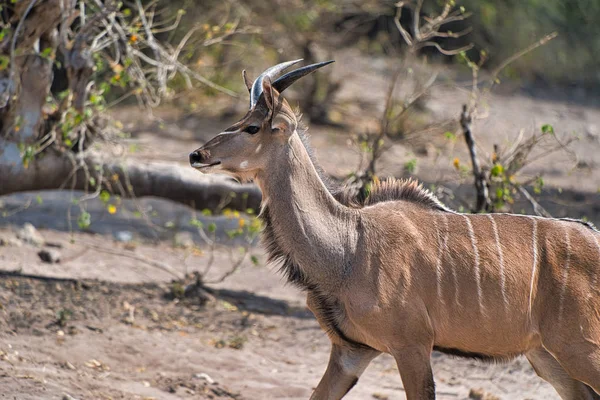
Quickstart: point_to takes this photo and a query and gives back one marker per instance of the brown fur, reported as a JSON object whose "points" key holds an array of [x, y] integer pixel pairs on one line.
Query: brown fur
{"points": [[403, 274], [392, 189]]}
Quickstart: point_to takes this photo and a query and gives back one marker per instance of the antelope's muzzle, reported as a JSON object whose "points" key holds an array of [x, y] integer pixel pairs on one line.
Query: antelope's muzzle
{"points": [[201, 158]]}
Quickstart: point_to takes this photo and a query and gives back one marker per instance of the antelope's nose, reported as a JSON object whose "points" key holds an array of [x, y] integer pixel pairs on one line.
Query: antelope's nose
{"points": [[195, 157]]}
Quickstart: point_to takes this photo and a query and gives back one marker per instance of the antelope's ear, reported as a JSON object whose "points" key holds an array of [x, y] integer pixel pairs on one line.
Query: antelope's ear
{"points": [[281, 118], [247, 81], [269, 94]]}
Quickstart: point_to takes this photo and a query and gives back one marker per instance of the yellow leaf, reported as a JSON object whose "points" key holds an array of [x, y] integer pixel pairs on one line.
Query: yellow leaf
{"points": [[112, 209], [228, 306], [242, 222], [116, 67], [456, 163]]}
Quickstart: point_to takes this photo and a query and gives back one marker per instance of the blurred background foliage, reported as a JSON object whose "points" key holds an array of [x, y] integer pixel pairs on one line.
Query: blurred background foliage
{"points": [[499, 27], [571, 59]]}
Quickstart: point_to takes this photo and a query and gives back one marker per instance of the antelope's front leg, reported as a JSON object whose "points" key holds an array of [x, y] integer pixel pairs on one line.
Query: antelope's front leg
{"points": [[346, 364], [414, 364]]}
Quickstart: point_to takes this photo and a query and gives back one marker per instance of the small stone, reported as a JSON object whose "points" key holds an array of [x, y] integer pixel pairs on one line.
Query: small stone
{"points": [[123, 236], [29, 234], [49, 256], [593, 132], [183, 239], [380, 396], [11, 242], [480, 394], [428, 149], [205, 377]]}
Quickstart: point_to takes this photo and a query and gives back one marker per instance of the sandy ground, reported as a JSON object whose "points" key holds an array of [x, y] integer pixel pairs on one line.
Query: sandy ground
{"points": [[126, 337]]}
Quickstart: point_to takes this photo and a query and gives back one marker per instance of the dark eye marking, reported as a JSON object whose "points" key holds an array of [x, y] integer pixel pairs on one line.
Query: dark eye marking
{"points": [[252, 129]]}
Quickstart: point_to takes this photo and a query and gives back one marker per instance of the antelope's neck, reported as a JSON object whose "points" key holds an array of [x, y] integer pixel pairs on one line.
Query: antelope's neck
{"points": [[316, 231]]}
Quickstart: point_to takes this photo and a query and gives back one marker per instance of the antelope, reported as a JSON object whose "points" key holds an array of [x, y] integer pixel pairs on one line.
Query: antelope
{"points": [[400, 273]]}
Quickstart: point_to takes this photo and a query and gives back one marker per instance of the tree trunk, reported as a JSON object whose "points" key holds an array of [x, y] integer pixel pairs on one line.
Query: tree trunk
{"points": [[126, 178], [36, 154]]}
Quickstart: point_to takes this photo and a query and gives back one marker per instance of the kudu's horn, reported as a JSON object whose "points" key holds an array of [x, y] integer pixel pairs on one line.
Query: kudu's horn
{"points": [[271, 73], [284, 81]]}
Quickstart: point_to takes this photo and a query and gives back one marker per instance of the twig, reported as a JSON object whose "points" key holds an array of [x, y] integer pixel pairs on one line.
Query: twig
{"points": [[443, 51], [403, 31], [537, 208], [157, 264], [19, 274], [483, 197], [73, 257], [232, 271], [17, 210], [520, 54], [422, 35]]}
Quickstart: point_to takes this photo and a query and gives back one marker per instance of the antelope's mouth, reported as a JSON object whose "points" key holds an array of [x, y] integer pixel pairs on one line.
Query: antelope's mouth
{"points": [[201, 166]]}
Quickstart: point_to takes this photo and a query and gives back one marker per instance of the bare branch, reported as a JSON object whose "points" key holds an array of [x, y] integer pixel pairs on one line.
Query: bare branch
{"points": [[407, 38], [519, 54], [483, 197], [443, 51], [153, 263], [454, 35], [416, 21], [234, 268], [537, 208]]}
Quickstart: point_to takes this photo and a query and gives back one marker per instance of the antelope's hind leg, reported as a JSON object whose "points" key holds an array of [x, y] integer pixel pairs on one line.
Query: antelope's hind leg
{"points": [[346, 364], [581, 360], [414, 364], [573, 336], [547, 368]]}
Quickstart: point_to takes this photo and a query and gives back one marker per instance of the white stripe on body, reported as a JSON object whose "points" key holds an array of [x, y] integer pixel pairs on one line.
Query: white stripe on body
{"points": [[477, 266], [565, 275], [501, 261], [535, 262], [442, 249]]}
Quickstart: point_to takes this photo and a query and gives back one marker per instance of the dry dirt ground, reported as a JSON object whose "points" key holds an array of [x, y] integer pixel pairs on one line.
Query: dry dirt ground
{"points": [[127, 337], [107, 325]]}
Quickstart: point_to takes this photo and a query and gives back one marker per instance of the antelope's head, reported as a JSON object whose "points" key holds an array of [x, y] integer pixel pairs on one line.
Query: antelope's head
{"points": [[254, 143]]}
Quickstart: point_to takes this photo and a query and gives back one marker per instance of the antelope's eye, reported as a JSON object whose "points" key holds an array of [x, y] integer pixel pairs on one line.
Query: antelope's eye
{"points": [[252, 129]]}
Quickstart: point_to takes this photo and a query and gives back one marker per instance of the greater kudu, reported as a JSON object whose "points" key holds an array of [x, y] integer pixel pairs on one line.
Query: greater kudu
{"points": [[402, 274]]}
